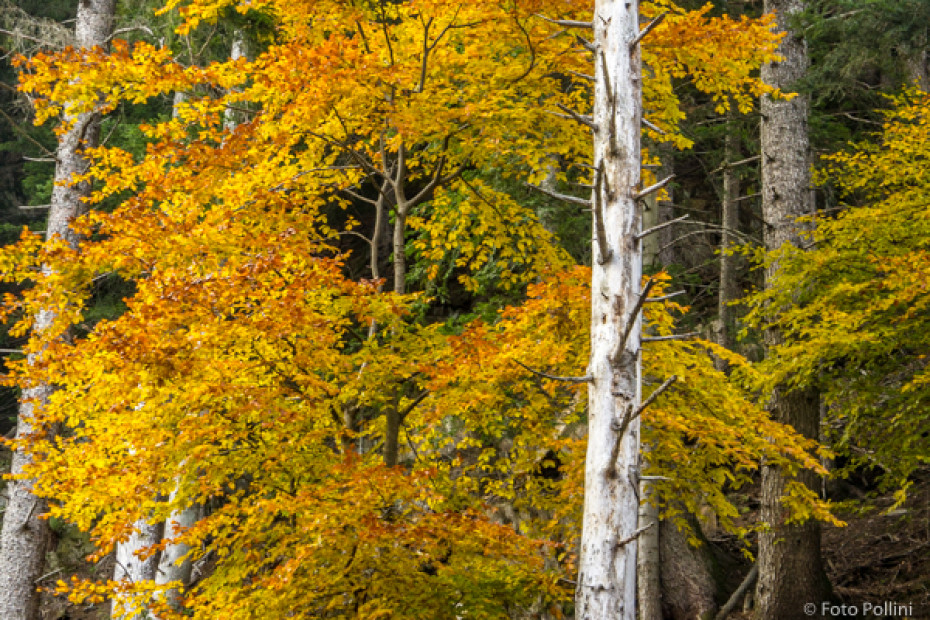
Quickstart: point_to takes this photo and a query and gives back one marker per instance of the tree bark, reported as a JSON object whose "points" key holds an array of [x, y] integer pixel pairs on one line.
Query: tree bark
{"points": [[649, 561], [174, 565], [729, 220], [607, 564], [130, 566], [790, 567], [25, 537], [688, 586]]}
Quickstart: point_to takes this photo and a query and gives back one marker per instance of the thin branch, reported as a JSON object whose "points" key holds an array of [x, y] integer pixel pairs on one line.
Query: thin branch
{"points": [[11, 350], [658, 227], [737, 596], [567, 23], [591, 47], [583, 76], [654, 188], [631, 320], [33, 207], [624, 542], [580, 118], [734, 164], [658, 392], [584, 379], [672, 337], [653, 300], [649, 28], [586, 202], [653, 127]]}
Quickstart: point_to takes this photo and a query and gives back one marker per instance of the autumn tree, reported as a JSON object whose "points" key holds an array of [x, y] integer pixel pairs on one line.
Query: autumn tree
{"points": [[348, 458], [852, 308]]}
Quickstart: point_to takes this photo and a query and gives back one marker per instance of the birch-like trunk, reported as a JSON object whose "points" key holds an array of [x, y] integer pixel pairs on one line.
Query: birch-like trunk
{"points": [[607, 564], [25, 537], [174, 564], [790, 567]]}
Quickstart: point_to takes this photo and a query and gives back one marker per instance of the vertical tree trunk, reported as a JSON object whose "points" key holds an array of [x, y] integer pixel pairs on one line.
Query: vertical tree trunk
{"points": [[729, 220], [174, 566], [790, 568], [649, 561], [24, 538], [607, 565], [131, 567]]}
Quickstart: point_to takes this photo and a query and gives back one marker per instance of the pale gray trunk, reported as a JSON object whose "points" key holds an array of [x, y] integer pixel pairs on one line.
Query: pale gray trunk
{"points": [[729, 221], [790, 567], [607, 557], [131, 567], [648, 578], [174, 564], [25, 537]]}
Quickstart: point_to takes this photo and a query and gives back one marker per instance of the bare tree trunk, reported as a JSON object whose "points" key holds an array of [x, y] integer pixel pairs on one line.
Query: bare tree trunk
{"points": [[25, 537], [790, 567], [729, 221], [649, 561], [607, 564]]}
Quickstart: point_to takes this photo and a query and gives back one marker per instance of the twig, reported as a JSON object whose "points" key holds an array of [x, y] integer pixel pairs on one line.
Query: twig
{"points": [[737, 596], [672, 337], [654, 188], [584, 379], [658, 392], [624, 542], [653, 300], [734, 164], [47, 575], [564, 197], [653, 127], [567, 23], [580, 118], [649, 27], [641, 235], [631, 321]]}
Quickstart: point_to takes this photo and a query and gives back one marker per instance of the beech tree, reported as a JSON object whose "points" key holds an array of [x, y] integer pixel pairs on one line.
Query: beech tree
{"points": [[356, 459]]}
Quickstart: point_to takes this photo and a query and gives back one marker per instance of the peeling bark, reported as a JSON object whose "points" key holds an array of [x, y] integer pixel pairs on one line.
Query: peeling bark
{"points": [[607, 568]]}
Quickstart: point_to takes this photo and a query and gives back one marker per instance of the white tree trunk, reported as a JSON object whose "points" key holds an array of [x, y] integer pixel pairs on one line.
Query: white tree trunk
{"points": [[131, 567], [24, 538], [174, 565], [607, 563]]}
